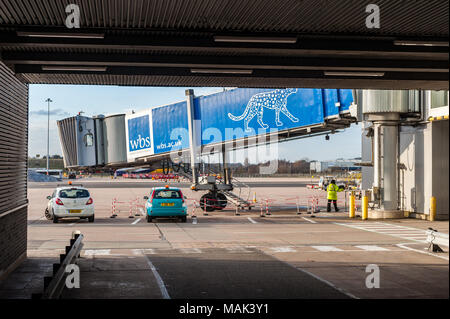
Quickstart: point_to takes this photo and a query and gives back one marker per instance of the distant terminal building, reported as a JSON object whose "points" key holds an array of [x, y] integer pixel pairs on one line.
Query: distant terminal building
{"points": [[335, 166]]}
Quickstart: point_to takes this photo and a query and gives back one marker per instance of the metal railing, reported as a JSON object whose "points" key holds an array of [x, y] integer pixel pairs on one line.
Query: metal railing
{"points": [[54, 285]]}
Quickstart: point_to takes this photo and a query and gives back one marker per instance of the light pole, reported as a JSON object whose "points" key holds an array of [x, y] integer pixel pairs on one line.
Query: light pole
{"points": [[48, 133]]}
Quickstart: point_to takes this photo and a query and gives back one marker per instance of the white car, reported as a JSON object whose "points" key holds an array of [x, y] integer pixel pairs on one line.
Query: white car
{"points": [[70, 201]]}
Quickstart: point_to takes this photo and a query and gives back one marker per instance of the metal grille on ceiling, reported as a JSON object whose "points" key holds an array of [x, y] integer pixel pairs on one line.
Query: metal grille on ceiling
{"points": [[406, 18], [162, 42]]}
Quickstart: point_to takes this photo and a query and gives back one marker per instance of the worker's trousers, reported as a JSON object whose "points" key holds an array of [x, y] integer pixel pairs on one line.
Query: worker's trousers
{"points": [[329, 205]]}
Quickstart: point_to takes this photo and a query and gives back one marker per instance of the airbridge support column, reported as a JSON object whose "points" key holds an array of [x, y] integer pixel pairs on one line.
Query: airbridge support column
{"points": [[13, 171], [384, 109], [193, 134], [385, 162]]}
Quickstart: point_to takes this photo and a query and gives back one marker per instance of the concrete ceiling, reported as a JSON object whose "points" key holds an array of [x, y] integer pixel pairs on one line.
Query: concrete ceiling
{"points": [[260, 43]]}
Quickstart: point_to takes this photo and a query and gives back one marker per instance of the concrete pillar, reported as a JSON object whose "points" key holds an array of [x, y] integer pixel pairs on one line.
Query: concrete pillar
{"points": [[385, 165]]}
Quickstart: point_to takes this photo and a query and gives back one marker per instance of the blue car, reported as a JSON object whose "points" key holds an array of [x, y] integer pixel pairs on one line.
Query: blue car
{"points": [[166, 202]]}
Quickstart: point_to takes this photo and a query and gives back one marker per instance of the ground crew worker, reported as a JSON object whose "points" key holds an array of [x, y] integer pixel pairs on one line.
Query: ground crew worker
{"points": [[332, 190]]}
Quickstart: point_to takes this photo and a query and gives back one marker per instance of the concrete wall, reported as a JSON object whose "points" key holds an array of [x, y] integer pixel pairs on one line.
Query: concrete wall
{"points": [[412, 157], [440, 172], [424, 169], [13, 170]]}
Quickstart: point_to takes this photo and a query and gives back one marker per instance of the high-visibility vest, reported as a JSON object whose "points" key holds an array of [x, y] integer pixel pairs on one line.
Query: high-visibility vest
{"points": [[332, 190]]}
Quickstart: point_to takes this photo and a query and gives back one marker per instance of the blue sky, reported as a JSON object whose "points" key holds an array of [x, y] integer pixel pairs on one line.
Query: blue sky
{"points": [[68, 100]]}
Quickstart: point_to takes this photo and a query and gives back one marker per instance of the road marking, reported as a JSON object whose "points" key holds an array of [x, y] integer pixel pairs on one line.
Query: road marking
{"points": [[238, 249], [159, 281], [283, 249], [403, 232], [326, 248], [309, 220], [148, 251], [251, 220], [97, 252], [372, 248], [420, 251], [191, 250], [328, 283], [136, 221]]}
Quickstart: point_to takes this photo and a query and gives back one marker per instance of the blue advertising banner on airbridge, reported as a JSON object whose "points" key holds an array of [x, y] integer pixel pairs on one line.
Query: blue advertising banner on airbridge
{"points": [[170, 127], [139, 133], [247, 112], [239, 113]]}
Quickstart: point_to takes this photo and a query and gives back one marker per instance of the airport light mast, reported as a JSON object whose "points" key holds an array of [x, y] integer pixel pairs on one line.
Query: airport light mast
{"points": [[48, 133]]}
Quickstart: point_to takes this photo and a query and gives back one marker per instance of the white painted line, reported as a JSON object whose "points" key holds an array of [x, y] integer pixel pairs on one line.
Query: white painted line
{"points": [[238, 249], [149, 251], [420, 251], [326, 248], [372, 248], [251, 220], [309, 220], [97, 252], [328, 283], [283, 249], [136, 251], [136, 221], [191, 250], [159, 281], [413, 232]]}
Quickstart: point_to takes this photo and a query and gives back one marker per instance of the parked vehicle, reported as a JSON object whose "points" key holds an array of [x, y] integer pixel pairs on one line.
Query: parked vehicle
{"points": [[166, 202], [70, 201]]}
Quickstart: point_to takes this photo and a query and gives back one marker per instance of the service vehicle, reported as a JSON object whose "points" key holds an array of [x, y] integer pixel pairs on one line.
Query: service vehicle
{"points": [[166, 202], [70, 201]]}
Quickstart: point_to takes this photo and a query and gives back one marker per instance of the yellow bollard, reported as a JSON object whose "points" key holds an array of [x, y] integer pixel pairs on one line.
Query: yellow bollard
{"points": [[432, 209], [365, 207], [352, 205]]}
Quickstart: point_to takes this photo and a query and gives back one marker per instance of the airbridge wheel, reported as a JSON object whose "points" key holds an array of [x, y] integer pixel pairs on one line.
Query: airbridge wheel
{"points": [[210, 202], [221, 201]]}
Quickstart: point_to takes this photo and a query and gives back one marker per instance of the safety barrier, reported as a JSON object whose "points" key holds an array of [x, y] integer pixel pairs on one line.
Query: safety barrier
{"points": [[54, 285], [132, 207], [312, 202]]}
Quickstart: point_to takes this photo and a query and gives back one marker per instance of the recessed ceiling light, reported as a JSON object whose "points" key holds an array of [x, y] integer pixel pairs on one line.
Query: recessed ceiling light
{"points": [[73, 68], [421, 43], [343, 73], [222, 71], [220, 38], [61, 35]]}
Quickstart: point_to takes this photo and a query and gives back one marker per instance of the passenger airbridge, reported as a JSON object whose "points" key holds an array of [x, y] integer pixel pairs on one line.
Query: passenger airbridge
{"points": [[228, 120], [177, 135]]}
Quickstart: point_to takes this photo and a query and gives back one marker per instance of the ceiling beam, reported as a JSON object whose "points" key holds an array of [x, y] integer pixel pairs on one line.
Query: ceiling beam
{"points": [[237, 62], [306, 45]]}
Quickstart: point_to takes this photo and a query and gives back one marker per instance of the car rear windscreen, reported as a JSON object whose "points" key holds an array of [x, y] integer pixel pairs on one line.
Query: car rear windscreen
{"points": [[73, 193], [162, 194]]}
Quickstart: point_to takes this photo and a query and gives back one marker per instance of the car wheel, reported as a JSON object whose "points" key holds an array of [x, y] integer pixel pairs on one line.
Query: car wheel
{"points": [[47, 214], [149, 219], [183, 219], [55, 219], [91, 219]]}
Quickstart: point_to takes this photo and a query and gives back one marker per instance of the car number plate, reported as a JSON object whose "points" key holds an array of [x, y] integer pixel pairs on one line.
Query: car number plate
{"points": [[75, 211], [167, 204]]}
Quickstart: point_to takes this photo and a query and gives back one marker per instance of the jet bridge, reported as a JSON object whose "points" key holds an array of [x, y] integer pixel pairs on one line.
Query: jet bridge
{"points": [[177, 135]]}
